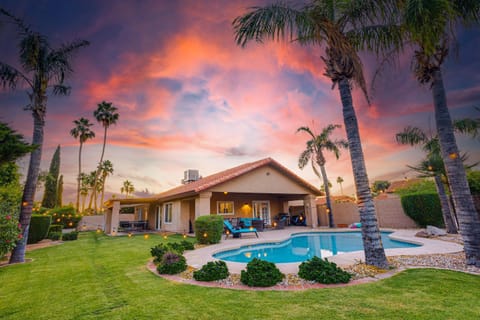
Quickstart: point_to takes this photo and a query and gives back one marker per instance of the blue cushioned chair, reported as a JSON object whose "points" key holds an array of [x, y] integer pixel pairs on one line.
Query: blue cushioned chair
{"points": [[237, 232]]}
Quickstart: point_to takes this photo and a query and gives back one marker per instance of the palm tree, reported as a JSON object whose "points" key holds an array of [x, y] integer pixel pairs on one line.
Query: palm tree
{"points": [[340, 181], [314, 154], [84, 187], [106, 170], [429, 26], [105, 114], [127, 188], [82, 132], [338, 27], [44, 70]]}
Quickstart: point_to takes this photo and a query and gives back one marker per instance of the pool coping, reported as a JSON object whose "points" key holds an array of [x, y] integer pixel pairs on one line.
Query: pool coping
{"points": [[197, 258]]}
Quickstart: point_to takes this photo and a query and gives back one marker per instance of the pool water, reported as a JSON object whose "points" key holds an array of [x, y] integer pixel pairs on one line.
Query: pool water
{"points": [[303, 246]]}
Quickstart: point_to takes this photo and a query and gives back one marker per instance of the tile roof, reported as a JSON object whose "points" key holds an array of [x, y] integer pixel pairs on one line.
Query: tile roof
{"points": [[229, 174]]}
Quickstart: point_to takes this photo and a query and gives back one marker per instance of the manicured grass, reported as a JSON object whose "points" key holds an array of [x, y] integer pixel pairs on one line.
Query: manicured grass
{"points": [[98, 277]]}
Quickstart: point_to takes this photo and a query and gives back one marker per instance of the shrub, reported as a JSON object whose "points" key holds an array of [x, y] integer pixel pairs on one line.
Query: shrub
{"points": [[172, 263], [64, 216], [423, 208], [423, 186], [159, 250], [70, 236], [55, 228], [261, 273], [54, 236], [323, 271], [39, 225], [176, 247], [473, 178], [187, 245], [209, 229], [212, 271], [10, 232]]}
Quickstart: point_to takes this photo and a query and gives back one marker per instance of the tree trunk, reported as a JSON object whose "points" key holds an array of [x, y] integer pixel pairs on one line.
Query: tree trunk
{"points": [[79, 176], [372, 240], [468, 220], [445, 204], [18, 253], [103, 193], [94, 191], [331, 223]]}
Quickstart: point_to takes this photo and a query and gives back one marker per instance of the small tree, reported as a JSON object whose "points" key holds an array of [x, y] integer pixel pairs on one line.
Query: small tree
{"points": [[380, 186], [51, 183]]}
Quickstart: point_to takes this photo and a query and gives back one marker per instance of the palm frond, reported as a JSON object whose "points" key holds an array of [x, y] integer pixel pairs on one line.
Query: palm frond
{"points": [[61, 90], [24, 29], [276, 22], [412, 136], [58, 61], [378, 38], [304, 158], [467, 126], [307, 130], [9, 76]]}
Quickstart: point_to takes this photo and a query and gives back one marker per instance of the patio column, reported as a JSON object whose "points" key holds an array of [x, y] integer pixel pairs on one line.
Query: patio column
{"points": [[202, 204], [311, 210], [114, 222]]}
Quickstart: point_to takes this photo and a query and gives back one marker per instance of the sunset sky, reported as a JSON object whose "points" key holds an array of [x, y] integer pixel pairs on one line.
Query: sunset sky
{"points": [[190, 98]]}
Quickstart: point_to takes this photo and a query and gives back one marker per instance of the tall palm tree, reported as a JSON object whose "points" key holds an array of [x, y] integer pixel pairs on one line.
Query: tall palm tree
{"points": [[340, 181], [82, 132], [314, 153], [429, 26], [106, 114], [337, 27], [44, 70], [106, 170], [128, 188]]}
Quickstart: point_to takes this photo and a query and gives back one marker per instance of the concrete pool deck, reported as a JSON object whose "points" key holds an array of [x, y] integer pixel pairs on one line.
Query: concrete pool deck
{"points": [[197, 258]]}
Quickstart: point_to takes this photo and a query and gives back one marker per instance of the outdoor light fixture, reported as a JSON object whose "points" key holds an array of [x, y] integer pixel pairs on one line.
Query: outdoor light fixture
{"points": [[205, 235], [24, 203], [227, 232], [165, 236], [453, 156], [274, 224], [328, 211], [146, 236], [225, 192], [130, 235]]}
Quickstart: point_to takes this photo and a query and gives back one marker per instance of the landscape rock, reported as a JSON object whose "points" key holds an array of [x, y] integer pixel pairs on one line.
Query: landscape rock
{"points": [[422, 234], [434, 231]]}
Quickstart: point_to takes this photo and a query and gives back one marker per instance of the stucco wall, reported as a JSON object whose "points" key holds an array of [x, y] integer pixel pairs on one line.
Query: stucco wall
{"points": [[265, 179], [390, 214]]}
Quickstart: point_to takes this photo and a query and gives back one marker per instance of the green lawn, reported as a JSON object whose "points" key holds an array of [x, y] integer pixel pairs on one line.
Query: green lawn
{"points": [[106, 278]]}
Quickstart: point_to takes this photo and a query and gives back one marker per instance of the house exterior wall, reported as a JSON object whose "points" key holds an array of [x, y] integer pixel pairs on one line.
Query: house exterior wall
{"points": [[262, 180]]}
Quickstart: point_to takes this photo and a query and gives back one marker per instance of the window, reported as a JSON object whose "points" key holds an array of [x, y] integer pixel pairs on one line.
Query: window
{"points": [[224, 207], [167, 212]]}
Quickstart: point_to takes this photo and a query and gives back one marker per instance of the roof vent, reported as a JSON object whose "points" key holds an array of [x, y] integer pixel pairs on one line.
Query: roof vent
{"points": [[190, 175]]}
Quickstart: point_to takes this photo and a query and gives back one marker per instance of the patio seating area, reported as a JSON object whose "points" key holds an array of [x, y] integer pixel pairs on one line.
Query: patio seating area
{"points": [[126, 226]]}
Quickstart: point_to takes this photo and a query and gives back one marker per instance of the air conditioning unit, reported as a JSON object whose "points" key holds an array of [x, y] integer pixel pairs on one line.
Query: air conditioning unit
{"points": [[190, 175]]}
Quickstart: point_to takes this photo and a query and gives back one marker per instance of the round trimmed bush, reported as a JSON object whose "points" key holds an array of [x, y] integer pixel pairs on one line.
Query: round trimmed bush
{"points": [[213, 270], [322, 271], [172, 263], [261, 273], [187, 245]]}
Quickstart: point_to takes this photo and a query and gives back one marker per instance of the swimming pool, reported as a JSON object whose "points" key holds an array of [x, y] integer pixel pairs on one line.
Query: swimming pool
{"points": [[303, 246]]}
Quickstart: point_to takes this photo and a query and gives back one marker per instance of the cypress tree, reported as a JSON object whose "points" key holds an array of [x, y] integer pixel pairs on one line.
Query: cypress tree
{"points": [[50, 193], [59, 191]]}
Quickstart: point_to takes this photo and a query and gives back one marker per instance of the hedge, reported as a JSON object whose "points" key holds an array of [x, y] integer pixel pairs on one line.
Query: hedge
{"points": [[39, 225], [423, 208], [209, 229]]}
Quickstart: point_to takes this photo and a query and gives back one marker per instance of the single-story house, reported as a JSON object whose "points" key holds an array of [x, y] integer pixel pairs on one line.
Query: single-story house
{"points": [[260, 189]]}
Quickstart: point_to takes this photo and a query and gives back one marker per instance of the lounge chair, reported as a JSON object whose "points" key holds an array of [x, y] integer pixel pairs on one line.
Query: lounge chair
{"points": [[237, 232]]}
